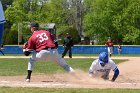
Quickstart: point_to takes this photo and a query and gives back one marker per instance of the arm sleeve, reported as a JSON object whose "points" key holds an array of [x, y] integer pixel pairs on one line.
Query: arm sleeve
{"points": [[115, 69], [116, 73], [92, 68], [52, 37], [30, 44]]}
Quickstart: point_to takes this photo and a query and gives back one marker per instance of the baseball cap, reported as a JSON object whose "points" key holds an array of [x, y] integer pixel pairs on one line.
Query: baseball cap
{"points": [[103, 58], [34, 24]]}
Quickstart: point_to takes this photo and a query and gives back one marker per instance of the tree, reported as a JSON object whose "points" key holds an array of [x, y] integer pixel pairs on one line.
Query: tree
{"points": [[113, 18], [6, 3], [42, 11]]}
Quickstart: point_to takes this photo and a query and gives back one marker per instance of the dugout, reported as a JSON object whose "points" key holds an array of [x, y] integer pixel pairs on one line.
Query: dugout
{"points": [[51, 28]]}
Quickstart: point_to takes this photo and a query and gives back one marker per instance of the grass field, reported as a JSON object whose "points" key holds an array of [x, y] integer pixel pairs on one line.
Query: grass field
{"points": [[69, 90], [12, 67]]}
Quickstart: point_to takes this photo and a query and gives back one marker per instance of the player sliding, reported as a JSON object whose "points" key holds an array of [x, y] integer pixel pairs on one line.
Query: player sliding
{"points": [[44, 47], [102, 66]]}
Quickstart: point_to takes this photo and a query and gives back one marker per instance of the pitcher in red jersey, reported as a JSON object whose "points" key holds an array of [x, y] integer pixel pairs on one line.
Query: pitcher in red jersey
{"points": [[109, 45], [43, 46]]}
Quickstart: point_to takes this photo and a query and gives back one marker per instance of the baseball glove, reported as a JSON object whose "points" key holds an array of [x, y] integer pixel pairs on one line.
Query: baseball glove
{"points": [[26, 53]]}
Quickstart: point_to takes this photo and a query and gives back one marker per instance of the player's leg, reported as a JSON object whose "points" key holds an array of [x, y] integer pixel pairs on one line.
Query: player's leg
{"points": [[2, 52], [1, 32], [60, 61], [65, 51], [118, 51], [30, 66], [70, 52], [42, 55], [109, 52]]}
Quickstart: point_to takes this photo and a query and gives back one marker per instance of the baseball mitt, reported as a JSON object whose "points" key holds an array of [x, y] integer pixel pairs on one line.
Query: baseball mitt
{"points": [[26, 53]]}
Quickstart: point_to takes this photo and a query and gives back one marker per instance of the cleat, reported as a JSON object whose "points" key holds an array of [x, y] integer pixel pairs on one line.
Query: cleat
{"points": [[27, 80]]}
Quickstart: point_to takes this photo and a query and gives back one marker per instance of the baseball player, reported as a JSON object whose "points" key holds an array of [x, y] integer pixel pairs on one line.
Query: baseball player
{"points": [[109, 45], [42, 46], [2, 21], [68, 44], [119, 49], [101, 67]]}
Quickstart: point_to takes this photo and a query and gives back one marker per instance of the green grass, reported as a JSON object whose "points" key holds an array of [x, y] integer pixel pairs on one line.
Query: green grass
{"points": [[66, 90], [12, 67]]}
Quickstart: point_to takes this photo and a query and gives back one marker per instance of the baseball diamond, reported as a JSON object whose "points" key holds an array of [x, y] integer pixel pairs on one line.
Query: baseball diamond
{"points": [[125, 80]]}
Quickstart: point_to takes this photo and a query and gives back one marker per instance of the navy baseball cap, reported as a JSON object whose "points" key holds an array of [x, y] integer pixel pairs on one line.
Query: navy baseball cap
{"points": [[34, 24], [103, 58]]}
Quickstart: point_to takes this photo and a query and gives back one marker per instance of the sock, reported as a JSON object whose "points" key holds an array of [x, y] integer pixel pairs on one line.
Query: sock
{"points": [[29, 74]]}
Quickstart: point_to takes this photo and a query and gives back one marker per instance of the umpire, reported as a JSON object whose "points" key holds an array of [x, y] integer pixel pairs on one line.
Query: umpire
{"points": [[68, 43]]}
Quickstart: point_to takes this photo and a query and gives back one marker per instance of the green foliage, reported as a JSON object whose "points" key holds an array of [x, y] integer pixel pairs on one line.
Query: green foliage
{"points": [[114, 18], [118, 19], [10, 37], [73, 32], [21, 11]]}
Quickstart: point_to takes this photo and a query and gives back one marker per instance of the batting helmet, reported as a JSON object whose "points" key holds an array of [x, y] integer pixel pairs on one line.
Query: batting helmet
{"points": [[103, 58]]}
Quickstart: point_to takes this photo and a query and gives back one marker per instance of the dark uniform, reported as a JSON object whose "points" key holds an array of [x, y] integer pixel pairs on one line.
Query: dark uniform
{"points": [[68, 43]]}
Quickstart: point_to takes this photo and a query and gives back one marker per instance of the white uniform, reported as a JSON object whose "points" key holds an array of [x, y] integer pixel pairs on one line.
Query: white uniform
{"points": [[110, 50], [97, 70], [2, 18], [49, 55]]}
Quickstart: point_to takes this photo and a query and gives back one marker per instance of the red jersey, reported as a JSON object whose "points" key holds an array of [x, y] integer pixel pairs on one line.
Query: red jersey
{"points": [[41, 39], [109, 43]]}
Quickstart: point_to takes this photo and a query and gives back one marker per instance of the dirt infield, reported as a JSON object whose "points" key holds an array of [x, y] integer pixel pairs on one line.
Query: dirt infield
{"points": [[129, 78]]}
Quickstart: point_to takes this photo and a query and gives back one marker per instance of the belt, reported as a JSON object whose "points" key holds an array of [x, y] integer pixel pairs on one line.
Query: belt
{"points": [[49, 48]]}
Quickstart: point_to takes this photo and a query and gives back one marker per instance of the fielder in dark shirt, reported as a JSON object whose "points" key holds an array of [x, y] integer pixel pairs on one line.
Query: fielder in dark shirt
{"points": [[67, 44]]}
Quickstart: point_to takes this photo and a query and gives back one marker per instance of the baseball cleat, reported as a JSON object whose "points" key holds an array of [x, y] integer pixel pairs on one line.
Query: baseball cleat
{"points": [[71, 70], [27, 80]]}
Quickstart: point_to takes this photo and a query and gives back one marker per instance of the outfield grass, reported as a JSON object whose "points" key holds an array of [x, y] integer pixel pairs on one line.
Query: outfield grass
{"points": [[66, 90], [12, 67]]}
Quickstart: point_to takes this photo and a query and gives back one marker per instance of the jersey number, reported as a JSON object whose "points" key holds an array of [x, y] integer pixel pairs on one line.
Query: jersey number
{"points": [[42, 37]]}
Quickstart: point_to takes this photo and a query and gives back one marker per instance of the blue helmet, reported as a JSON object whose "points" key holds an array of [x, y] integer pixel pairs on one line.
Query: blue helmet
{"points": [[103, 58]]}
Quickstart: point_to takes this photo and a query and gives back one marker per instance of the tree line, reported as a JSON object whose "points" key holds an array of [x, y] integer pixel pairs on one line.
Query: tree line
{"points": [[94, 20]]}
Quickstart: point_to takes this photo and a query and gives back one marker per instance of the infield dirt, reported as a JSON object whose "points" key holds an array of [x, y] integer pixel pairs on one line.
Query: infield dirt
{"points": [[129, 78]]}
